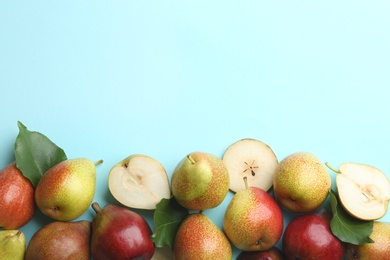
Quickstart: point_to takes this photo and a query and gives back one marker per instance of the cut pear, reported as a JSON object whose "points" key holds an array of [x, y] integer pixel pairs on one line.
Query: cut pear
{"points": [[139, 181], [253, 159], [364, 190]]}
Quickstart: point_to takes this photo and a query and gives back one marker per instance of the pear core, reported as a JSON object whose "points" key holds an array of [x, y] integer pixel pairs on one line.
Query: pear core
{"points": [[364, 190]]}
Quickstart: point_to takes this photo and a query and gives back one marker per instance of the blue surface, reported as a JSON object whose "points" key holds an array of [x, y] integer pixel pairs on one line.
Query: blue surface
{"points": [[106, 80]]}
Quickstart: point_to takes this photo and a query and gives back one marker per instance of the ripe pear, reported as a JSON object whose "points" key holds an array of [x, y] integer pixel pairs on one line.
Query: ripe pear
{"points": [[12, 245], [199, 238], [120, 233], [61, 240], [67, 189], [200, 181], [379, 250], [301, 182], [364, 190], [253, 221], [17, 204]]}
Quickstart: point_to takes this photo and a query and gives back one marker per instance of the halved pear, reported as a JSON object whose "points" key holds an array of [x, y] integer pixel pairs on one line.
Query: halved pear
{"points": [[139, 181], [364, 190], [253, 159]]}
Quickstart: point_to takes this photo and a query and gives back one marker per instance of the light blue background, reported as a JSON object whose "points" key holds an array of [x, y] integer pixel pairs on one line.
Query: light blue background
{"points": [[106, 79]]}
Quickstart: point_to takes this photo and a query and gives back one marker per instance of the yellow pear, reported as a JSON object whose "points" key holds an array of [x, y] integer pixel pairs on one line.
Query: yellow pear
{"points": [[67, 189], [379, 250], [12, 245], [301, 182], [199, 238]]}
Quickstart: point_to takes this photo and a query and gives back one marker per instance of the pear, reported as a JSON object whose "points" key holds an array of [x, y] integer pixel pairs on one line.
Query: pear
{"points": [[199, 238], [139, 181], [61, 240], [12, 245], [253, 221], [379, 250], [301, 182], [364, 190], [120, 233], [253, 159], [67, 189], [17, 204], [200, 181]]}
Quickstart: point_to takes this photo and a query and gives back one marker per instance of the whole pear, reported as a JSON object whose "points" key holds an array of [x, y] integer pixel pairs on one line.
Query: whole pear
{"points": [[61, 240], [301, 182], [12, 245], [253, 221], [120, 233], [17, 205], [199, 238], [200, 181], [308, 236], [379, 250], [67, 189]]}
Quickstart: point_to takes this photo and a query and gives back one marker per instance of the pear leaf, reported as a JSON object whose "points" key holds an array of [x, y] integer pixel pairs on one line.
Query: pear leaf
{"points": [[35, 154], [167, 218], [346, 227]]}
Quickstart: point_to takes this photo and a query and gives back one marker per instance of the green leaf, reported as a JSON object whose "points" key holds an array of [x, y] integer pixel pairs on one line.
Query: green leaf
{"points": [[167, 218], [35, 154], [346, 227]]}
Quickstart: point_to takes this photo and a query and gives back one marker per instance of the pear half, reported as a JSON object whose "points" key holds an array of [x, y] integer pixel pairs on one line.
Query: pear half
{"points": [[253, 159], [364, 190], [139, 181]]}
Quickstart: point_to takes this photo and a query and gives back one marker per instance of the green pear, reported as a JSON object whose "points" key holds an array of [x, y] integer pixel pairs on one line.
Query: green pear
{"points": [[200, 181], [67, 189], [61, 240], [12, 245], [301, 182], [199, 238], [253, 221], [378, 250]]}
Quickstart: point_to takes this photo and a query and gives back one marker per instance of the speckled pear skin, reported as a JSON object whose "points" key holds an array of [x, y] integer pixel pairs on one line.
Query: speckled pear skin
{"points": [[200, 181], [61, 240], [253, 221], [67, 189], [301, 182], [379, 250], [199, 238], [12, 245]]}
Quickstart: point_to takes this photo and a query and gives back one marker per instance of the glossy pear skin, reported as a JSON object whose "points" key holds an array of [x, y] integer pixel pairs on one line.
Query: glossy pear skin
{"points": [[17, 204], [253, 220], [67, 189], [308, 236], [200, 181], [273, 253], [120, 233], [380, 250], [61, 240], [301, 182], [199, 238], [12, 245]]}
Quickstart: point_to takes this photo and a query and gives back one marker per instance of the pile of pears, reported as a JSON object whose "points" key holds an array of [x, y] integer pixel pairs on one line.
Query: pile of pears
{"points": [[261, 189]]}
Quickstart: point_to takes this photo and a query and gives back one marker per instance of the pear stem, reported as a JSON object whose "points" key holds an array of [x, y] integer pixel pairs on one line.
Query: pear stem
{"points": [[246, 182], [191, 159], [99, 162], [96, 207], [330, 167]]}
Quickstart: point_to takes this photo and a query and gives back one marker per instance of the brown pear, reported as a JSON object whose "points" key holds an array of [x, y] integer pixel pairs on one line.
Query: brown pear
{"points": [[61, 240]]}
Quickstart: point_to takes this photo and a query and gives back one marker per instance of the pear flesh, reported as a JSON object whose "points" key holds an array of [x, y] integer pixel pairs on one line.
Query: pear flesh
{"points": [[139, 181], [364, 190], [253, 159], [12, 245]]}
